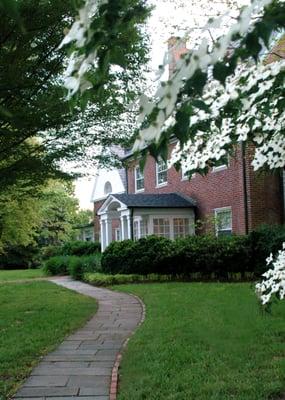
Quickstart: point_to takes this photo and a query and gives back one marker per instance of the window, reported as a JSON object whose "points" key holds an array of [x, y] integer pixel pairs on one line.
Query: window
{"points": [[107, 188], [161, 173], [161, 227], [223, 221], [139, 179], [136, 230], [180, 227], [140, 226]]}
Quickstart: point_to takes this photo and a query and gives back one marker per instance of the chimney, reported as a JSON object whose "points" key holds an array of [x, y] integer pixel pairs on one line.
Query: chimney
{"points": [[176, 48]]}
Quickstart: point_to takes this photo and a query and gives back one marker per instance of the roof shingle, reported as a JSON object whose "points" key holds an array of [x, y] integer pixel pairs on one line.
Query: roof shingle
{"points": [[164, 200]]}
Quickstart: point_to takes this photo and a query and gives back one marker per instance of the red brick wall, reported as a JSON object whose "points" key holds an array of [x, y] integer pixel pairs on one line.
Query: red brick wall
{"points": [[221, 189], [264, 196]]}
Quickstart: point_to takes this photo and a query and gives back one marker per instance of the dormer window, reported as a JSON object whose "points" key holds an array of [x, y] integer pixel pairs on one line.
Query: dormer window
{"points": [[139, 179], [107, 188]]}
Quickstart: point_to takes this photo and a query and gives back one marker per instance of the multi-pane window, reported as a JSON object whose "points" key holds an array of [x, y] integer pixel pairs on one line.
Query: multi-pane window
{"points": [[161, 172], [180, 227], [139, 179], [140, 229], [136, 230], [161, 227], [223, 221]]}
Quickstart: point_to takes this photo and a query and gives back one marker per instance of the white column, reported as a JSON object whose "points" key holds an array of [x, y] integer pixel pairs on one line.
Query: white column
{"points": [[108, 232], [122, 228], [129, 226], [102, 234], [139, 228]]}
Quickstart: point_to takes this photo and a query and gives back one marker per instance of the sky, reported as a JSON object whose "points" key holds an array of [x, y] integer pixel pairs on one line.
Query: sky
{"points": [[171, 17]]}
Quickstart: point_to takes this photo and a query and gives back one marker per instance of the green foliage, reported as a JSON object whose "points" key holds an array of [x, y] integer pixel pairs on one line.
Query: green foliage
{"points": [[76, 266], [119, 257], [57, 265], [206, 256], [145, 256], [72, 248], [20, 257], [80, 248], [58, 208], [265, 240], [99, 279], [19, 218]]}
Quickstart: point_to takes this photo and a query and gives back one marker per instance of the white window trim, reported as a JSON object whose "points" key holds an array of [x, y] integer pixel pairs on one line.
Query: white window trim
{"points": [[217, 211], [171, 223], [136, 189], [220, 168], [156, 176]]}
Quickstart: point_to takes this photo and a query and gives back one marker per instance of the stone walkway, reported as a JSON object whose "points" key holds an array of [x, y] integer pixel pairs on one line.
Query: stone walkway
{"points": [[81, 367]]}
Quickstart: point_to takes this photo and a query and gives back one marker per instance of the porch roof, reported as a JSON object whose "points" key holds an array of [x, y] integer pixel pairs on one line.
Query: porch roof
{"points": [[162, 200]]}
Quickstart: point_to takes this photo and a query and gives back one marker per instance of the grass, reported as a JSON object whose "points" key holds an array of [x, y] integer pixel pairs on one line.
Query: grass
{"points": [[22, 274], [204, 341], [34, 318]]}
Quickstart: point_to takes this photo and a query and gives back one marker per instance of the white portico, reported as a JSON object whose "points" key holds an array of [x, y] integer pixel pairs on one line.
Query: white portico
{"points": [[138, 215]]}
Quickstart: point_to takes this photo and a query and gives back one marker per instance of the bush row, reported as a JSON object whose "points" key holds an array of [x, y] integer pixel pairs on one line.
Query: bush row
{"points": [[100, 279], [207, 256], [73, 248], [75, 266]]}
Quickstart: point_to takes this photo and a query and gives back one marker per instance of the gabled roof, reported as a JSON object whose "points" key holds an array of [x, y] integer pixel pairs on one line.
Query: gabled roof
{"points": [[164, 200]]}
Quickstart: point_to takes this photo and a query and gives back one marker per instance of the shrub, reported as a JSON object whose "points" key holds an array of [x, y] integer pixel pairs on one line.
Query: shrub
{"points": [[73, 248], [263, 241], [80, 248], [204, 257], [57, 265], [77, 266], [211, 256], [119, 257], [99, 279], [145, 256], [20, 257]]}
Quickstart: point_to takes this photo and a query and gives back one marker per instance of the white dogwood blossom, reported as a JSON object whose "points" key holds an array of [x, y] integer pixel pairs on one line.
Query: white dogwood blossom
{"points": [[253, 85], [274, 282], [200, 58], [79, 34]]}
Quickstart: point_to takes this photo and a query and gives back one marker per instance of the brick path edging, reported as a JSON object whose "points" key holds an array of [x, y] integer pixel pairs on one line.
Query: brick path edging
{"points": [[115, 371]]}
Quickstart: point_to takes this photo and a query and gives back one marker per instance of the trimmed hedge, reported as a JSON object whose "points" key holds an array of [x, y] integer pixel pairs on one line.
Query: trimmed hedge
{"points": [[76, 266], [73, 248], [99, 279], [201, 257]]}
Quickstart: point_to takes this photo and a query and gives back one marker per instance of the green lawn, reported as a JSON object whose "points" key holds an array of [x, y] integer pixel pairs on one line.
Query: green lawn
{"points": [[12, 275], [204, 341], [34, 318]]}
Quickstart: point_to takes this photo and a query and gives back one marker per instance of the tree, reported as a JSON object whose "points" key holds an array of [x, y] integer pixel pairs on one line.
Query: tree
{"points": [[58, 210], [38, 127]]}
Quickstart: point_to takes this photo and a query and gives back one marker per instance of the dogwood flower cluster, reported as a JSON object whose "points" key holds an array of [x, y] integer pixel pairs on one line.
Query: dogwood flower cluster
{"points": [[199, 59], [251, 88], [78, 62], [274, 282]]}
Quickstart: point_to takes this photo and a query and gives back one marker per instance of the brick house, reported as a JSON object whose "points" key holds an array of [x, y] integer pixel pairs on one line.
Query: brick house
{"points": [[230, 199]]}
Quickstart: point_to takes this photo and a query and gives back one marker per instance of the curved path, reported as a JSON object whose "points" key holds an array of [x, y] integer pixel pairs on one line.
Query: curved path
{"points": [[85, 365]]}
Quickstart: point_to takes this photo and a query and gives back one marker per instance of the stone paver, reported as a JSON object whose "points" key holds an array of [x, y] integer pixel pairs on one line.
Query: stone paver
{"points": [[81, 367]]}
